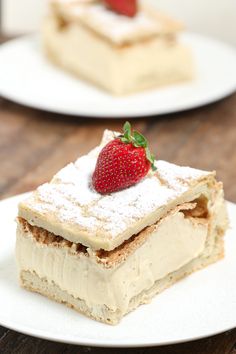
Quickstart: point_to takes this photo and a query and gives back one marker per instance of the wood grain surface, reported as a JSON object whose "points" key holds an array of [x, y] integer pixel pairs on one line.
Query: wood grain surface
{"points": [[35, 144]]}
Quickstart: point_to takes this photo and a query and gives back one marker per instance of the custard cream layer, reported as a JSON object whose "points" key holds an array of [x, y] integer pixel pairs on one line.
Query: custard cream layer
{"points": [[174, 242]]}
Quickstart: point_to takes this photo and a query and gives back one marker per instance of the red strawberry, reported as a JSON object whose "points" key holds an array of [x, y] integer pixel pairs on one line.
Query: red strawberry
{"points": [[124, 7], [123, 162]]}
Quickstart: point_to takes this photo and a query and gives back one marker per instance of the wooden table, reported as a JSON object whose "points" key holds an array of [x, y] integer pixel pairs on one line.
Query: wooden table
{"points": [[35, 144]]}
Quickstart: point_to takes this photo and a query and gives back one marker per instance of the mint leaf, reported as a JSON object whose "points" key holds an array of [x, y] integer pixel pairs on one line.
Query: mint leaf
{"points": [[127, 131], [150, 158], [140, 139], [127, 126], [153, 167], [124, 140], [148, 154]]}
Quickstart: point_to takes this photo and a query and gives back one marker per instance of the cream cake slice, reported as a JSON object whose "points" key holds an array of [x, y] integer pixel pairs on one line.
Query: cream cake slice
{"points": [[117, 53], [104, 255]]}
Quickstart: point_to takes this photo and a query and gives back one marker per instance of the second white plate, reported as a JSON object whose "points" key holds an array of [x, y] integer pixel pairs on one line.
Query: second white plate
{"points": [[28, 78], [200, 305]]}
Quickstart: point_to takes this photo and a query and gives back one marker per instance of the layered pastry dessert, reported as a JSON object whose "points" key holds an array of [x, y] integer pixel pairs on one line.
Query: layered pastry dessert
{"points": [[103, 237], [121, 50]]}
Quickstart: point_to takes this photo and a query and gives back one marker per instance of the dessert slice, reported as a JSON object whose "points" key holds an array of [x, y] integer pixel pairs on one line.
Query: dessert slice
{"points": [[119, 53], [105, 254]]}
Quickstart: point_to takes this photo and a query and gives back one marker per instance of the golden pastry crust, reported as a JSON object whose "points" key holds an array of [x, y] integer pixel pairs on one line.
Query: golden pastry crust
{"points": [[70, 208]]}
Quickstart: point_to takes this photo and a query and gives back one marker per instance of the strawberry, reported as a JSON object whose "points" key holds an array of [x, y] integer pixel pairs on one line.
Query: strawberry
{"points": [[124, 7], [124, 161]]}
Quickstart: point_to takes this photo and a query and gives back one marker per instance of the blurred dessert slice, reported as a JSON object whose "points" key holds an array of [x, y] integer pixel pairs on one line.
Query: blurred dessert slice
{"points": [[118, 53]]}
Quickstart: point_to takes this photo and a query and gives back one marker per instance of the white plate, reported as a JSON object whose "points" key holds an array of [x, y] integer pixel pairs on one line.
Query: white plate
{"points": [[28, 78], [201, 305]]}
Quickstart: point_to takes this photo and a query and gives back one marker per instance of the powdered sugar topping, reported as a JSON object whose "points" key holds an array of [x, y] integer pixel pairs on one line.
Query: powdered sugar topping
{"points": [[177, 177], [69, 197], [118, 210]]}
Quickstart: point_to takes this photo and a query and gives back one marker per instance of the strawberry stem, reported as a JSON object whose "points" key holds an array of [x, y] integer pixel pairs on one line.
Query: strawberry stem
{"points": [[138, 140]]}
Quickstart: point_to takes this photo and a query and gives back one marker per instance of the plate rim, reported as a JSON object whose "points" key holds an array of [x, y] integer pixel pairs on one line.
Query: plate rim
{"points": [[214, 97], [93, 342]]}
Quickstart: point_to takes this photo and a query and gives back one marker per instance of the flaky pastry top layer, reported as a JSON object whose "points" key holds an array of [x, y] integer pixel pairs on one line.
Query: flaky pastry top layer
{"points": [[68, 206]]}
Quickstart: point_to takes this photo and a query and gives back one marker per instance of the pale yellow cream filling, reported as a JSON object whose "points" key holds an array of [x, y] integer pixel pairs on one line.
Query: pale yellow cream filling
{"points": [[174, 242]]}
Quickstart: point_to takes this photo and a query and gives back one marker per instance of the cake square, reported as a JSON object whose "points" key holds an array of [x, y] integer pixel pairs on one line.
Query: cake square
{"points": [[120, 54], [77, 246]]}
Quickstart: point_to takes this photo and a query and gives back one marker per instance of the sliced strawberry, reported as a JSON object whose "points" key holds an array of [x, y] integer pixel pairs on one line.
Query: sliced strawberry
{"points": [[123, 162], [124, 7]]}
